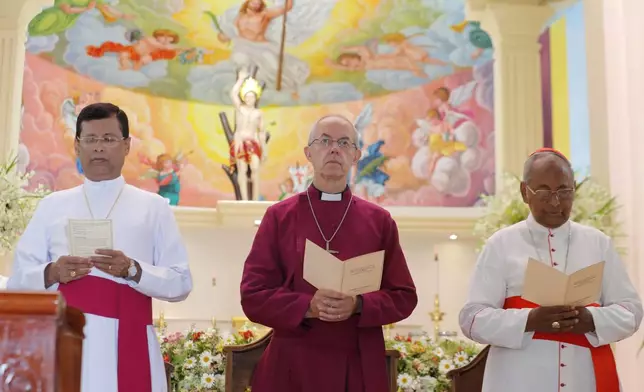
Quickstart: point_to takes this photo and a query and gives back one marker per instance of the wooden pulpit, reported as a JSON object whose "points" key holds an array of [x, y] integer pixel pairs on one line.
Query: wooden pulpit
{"points": [[469, 378], [241, 361], [41, 343]]}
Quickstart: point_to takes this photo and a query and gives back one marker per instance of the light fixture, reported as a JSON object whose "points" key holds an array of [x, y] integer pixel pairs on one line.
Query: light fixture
{"points": [[453, 237]]}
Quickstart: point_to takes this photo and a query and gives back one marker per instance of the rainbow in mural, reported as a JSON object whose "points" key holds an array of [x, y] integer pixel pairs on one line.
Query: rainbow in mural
{"points": [[415, 72], [565, 87]]}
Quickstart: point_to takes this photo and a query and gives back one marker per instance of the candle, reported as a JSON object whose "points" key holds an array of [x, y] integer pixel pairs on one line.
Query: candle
{"points": [[438, 273]]}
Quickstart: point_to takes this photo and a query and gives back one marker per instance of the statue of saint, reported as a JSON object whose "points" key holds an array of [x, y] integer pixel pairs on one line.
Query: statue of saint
{"points": [[249, 144]]}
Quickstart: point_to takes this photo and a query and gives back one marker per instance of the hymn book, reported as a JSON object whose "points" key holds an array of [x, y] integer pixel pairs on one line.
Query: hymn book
{"points": [[88, 235], [355, 276], [547, 286]]}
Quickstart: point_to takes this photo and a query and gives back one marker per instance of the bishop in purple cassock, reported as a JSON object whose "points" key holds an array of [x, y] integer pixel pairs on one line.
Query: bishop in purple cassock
{"points": [[324, 341]]}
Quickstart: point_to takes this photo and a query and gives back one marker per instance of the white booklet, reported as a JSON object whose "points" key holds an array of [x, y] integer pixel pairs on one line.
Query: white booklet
{"points": [[88, 235], [358, 275], [547, 286]]}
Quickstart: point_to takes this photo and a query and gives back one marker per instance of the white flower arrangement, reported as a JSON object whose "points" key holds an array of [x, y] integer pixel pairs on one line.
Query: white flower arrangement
{"points": [[593, 206], [17, 204], [198, 358], [424, 364]]}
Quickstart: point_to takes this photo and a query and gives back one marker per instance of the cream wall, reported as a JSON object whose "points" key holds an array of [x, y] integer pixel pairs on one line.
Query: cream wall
{"points": [[219, 253]]}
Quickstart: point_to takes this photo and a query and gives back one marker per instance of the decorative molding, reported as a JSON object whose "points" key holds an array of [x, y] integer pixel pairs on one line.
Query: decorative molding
{"points": [[430, 220]]}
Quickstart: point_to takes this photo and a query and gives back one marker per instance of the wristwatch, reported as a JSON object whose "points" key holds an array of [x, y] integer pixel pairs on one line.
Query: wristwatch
{"points": [[131, 271]]}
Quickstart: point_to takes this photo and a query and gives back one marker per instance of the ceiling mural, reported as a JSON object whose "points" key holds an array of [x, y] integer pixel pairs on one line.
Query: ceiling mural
{"points": [[308, 52], [414, 76]]}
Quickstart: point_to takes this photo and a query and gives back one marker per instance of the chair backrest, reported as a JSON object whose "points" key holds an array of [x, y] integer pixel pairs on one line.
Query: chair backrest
{"points": [[41, 342], [169, 369], [469, 378], [241, 361]]}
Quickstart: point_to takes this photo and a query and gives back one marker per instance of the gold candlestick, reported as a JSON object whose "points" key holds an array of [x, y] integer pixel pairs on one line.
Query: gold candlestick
{"points": [[388, 328], [161, 324], [213, 321], [437, 317]]}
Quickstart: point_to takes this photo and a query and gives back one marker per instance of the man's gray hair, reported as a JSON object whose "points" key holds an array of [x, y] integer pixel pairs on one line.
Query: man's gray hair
{"points": [[332, 117], [532, 159]]}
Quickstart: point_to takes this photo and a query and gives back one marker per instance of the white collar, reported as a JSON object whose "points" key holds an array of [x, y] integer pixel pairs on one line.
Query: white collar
{"points": [[331, 196], [106, 185], [536, 227]]}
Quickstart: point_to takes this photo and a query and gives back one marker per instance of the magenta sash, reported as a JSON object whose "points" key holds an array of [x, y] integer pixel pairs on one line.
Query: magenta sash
{"points": [[133, 310]]}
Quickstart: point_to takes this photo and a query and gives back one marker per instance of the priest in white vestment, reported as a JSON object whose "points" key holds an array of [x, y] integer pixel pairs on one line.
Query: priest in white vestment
{"points": [[115, 287], [548, 349]]}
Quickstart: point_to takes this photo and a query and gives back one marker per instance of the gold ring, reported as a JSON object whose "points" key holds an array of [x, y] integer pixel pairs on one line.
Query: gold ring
{"points": [[72, 274], [556, 325]]}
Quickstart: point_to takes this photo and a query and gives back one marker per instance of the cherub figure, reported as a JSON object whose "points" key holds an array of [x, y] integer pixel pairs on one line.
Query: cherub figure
{"points": [[446, 102], [166, 170], [69, 111], [404, 57], [143, 51], [64, 14], [249, 144]]}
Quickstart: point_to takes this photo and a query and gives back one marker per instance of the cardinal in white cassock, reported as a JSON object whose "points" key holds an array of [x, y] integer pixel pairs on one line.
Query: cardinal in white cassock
{"points": [[557, 348], [114, 288]]}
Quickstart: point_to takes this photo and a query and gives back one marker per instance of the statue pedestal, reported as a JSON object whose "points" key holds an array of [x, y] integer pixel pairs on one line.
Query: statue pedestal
{"points": [[429, 220]]}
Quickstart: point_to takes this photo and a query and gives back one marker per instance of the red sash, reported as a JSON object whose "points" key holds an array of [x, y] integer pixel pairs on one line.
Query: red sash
{"points": [[606, 379], [103, 297]]}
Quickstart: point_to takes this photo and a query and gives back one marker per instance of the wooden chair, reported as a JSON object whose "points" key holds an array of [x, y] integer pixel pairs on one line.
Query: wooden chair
{"points": [[469, 378], [41, 343], [169, 369], [241, 361]]}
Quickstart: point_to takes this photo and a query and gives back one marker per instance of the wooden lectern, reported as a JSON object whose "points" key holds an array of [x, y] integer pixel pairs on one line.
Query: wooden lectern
{"points": [[241, 361], [41, 343]]}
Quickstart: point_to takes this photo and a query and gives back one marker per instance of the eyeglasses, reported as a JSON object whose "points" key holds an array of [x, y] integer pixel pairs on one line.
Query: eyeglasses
{"points": [[107, 141], [545, 195], [343, 143]]}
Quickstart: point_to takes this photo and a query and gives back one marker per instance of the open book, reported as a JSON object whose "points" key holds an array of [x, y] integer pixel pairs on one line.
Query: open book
{"points": [[359, 275], [547, 286]]}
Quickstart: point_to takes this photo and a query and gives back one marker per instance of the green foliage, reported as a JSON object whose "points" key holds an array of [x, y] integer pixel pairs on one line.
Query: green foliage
{"points": [[593, 206]]}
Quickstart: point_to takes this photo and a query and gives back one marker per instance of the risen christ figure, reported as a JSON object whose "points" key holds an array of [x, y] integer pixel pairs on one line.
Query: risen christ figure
{"points": [[249, 145], [251, 47]]}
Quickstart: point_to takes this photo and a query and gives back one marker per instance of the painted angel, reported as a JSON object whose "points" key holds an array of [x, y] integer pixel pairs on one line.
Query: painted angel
{"points": [[257, 31], [401, 56], [64, 14], [366, 177], [166, 170], [448, 103], [143, 50], [69, 110]]}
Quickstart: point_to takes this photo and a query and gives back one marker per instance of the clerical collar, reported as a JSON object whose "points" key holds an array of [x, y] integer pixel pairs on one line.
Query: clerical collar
{"points": [[537, 227], [117, 182], [329, 196]]}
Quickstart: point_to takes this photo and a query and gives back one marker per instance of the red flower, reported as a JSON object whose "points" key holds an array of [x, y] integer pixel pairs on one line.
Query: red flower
{"points": [[196, 336], [166, 358], [248, 334]]}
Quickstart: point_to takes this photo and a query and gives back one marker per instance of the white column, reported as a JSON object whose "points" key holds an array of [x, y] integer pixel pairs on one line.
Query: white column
{"points": [[12, 58], [515, 30], [624, 84], [596, 81]]}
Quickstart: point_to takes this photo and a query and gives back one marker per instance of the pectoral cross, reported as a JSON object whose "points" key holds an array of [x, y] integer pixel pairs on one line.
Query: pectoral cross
{"points": [[328, 249]]}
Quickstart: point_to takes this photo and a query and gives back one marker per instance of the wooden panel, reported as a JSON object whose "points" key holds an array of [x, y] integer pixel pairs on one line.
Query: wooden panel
{"points": [[40, 343], [469, 378]]}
